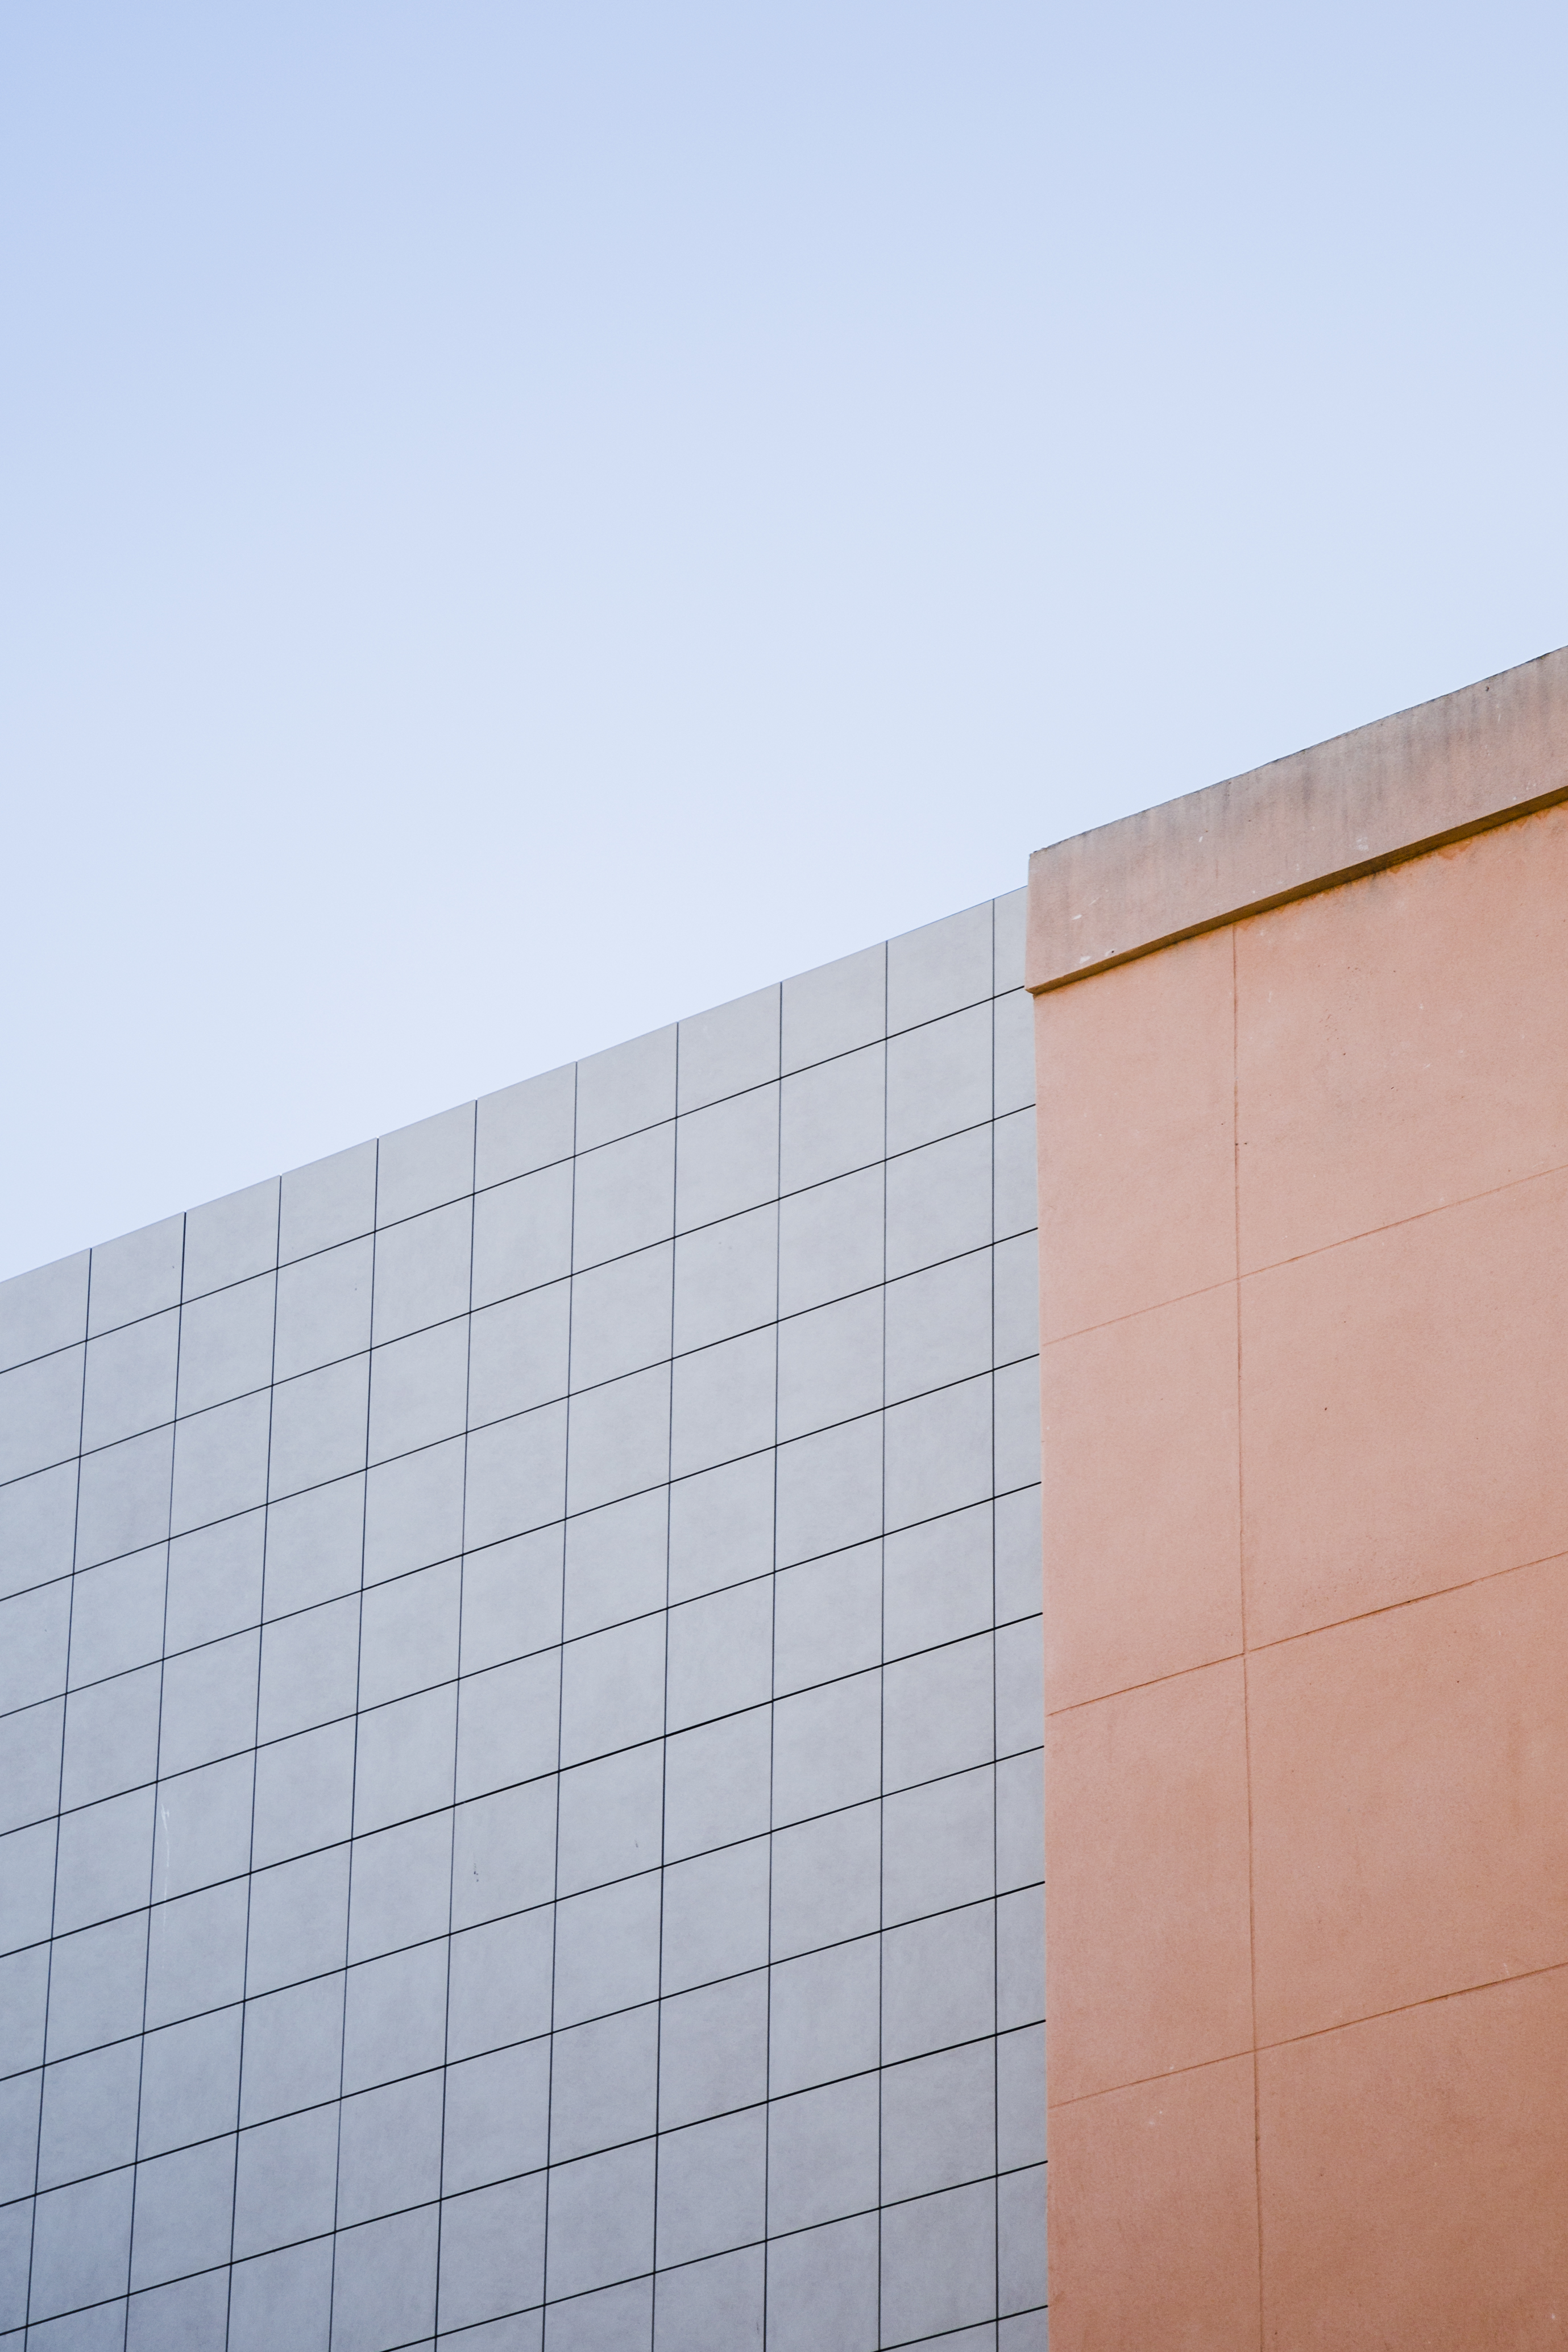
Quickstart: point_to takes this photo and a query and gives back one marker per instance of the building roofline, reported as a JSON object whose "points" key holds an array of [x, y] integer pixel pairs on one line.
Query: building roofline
{"points": [[1383, 793]]}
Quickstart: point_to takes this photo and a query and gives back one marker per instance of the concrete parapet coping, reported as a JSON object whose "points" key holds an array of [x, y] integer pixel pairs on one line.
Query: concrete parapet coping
{"points": [[1384, 793]]}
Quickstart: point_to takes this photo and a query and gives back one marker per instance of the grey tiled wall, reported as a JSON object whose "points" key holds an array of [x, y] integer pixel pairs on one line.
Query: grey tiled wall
{"points": [[521, 1752]]}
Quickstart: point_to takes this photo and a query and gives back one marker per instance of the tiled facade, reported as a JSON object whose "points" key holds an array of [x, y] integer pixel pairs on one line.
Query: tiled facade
{"points": [[520, 1758]]}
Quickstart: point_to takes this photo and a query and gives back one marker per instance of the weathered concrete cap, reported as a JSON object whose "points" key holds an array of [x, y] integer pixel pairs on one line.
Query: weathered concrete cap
{"points": [[1366, 799]]}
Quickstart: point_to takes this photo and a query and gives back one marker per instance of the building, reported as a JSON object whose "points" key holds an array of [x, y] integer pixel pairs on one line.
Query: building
{"points": [[522, 1648]]}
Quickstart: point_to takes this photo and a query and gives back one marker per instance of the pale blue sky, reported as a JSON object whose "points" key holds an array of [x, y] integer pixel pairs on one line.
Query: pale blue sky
{"points": [[521, 522]]}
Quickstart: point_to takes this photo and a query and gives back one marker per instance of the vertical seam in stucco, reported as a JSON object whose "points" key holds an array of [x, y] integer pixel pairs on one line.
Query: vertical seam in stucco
{"points": [[1241, 1581]]}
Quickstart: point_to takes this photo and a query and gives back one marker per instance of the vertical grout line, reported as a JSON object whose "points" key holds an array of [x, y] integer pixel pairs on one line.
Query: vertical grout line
{"points": [[773, 1688], [456, 1727], [59, 1797], [882, 1675], [560, 1689], [157, 1780], [1241, 1579], [995, 1740], [664, 1718], [254, 1768], [353, 1770]]}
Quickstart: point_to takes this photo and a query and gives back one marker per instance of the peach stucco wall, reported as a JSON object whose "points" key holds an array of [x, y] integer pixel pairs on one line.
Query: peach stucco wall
{"points": [[1304, 1289]]}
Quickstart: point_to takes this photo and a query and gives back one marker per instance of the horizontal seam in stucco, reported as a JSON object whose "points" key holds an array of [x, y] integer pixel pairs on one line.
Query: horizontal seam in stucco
{"points": [[1412, 1601], [1334, 880], [1317, 2034], [1274, 1265], [1125, 1690]]}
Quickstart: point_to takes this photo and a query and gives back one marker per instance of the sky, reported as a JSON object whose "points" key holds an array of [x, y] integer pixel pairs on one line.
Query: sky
{"points": [[518, 523]]}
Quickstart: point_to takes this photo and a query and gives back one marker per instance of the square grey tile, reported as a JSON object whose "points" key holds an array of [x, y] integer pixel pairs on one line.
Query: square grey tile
{"points": [[621, 1316], [939, 1079], [422, 1271], [523, 1235], [601, 2221], [503, 1855], [38, 1528], [826, 1748], [939, 1325], [937, 1847], [418, 1389], [384, 2282], [711, 2306], [283, 2298], [939, 1452], [293, 2049], [734, 1046], [81, 2244], [136, 1275], [408, 1633], [190, 2081], [1020, 1688], [525, 1126], [511, 1599], [228, 1240], [422, 1166], [389, 2153], [610, 1818], [507, 1724], [612, 1689], [497, 2116], [396, 2013], [195, 1953], [304, 1793], [832, 1119], [716, 1784], [939, 968], [938, 1712], [124, 1500], [713, 2051], [327, 1201], [130, 1379], [616, 1561], [286, 2187], [626, 1086], [727, 1158], [203, 1831], [1020, 1958], [1021, 2242], [221, 1462], [619, 1439], [832, 1240], [721, 1526], [518, 1353], [827, 1619], [492, 2260], [111, 1736], [939, 2263], [824, 2022], [40, 1413], [1021, 2097], [500, 1985], [726, 1278], [1012, 913], [830, 1364], [215, 1585], [939, 1984], [414, 1508], [87, 2119], [938, 1201], [823, 2154], [603, 2083], [713, 2181], [625, 1196], [715, 1916], [324, 1308], [1014, 1050], [837, 1006], [721, 1654], [226, 1344], [298, 1920], [315, 1546], [606, 1949], [827, 1880], [43, 1309], [937, 1580], [35, 1630], [939, 2121], [401, 1886], [407, 1759], [830, 1490], [309, 1668], [822, 2289], [319, 1426]]}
